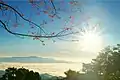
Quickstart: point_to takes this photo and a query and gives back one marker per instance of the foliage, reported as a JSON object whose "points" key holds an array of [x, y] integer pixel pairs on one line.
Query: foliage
{"points": [[72, 75], [20, 74], [107, 63]]}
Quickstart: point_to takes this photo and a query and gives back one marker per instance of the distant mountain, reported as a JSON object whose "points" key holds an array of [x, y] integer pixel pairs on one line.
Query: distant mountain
{"points": [[46, 76], [31, 59], [50, 77]]}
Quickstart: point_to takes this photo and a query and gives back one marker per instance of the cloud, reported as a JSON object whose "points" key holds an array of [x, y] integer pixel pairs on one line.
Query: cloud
{"points": [[68, 51]]}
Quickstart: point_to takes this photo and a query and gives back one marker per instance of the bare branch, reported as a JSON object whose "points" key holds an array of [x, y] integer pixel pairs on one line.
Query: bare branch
{"points": [[21, 15], [41, 32], [27, 35]]}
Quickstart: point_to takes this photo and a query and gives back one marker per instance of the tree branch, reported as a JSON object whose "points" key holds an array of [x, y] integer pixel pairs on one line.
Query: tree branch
{"points": [[46, 35], [22, 16], [27, 35]]}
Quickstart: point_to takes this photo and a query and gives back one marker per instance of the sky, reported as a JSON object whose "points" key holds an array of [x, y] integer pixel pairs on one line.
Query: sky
{"points": [[103, 13]]}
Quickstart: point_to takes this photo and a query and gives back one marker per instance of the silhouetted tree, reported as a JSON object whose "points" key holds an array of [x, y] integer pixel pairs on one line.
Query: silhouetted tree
{"points": [[107, 63], [72, 75], [87, 68], [20, 74]]}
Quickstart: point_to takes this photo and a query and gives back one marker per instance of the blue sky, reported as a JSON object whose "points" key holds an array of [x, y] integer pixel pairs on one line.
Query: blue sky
{"points": [[105, 12]]}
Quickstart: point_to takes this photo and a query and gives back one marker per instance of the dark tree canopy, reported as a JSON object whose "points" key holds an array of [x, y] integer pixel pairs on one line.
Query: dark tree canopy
{"points": [[106, 64], [72, 75], [20, 74]]}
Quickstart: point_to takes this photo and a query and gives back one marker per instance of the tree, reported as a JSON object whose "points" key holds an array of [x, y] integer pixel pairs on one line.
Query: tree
{"points": [[87, 68], [107, 63], [72, 75], [11, 16], [20, 74]]}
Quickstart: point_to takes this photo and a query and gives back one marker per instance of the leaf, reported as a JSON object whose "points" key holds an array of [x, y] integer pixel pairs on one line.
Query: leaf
{"points": [[32, 32], [52, 20], [31, 1], [15, 25], [38, 13], [22, 14], [53, 33], [43, 44], [44, 22], [32, 26], [51, 16], [45, 12]]}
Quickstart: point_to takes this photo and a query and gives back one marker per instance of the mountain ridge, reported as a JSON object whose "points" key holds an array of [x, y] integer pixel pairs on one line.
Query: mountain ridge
{"points": [[31, 59]]}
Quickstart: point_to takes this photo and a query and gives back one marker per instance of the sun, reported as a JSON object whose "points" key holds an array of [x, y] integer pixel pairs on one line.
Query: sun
{"points": [[91, 39]]}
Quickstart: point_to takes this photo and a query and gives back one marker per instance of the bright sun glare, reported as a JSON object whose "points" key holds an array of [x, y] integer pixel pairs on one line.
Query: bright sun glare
{"points": [[91, 39]]}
